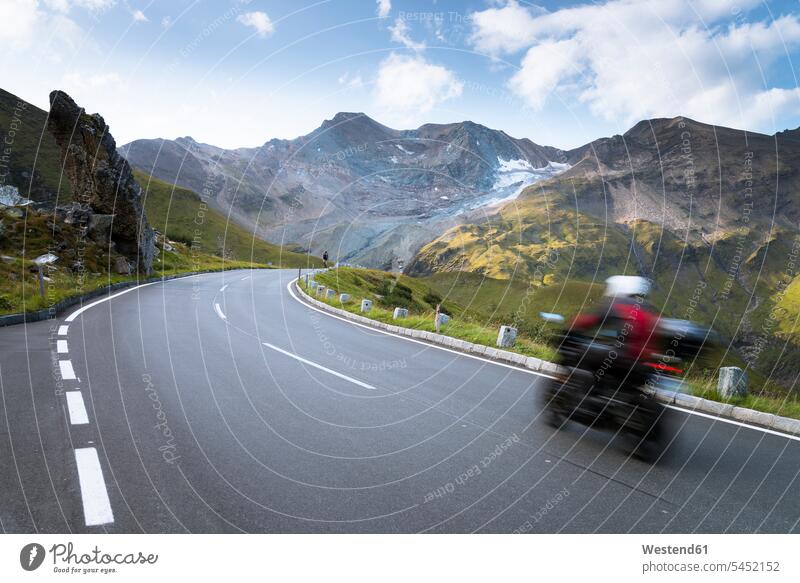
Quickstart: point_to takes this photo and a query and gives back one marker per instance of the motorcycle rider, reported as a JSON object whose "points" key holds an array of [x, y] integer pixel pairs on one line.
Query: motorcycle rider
{"points": [[627, 323]]}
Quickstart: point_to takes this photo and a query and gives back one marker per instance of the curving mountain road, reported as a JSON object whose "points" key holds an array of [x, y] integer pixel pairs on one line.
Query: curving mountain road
{"points": [[221, 403]]}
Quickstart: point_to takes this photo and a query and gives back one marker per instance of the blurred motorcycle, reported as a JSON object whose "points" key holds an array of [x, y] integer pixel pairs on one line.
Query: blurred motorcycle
{"points": [[588, 390]]}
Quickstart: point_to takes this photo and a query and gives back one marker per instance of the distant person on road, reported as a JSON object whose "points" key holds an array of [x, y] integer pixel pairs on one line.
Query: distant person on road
{"points": [[325, 259]]}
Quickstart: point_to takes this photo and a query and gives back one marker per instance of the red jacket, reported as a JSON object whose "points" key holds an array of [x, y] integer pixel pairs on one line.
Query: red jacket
{"points": [[633, 322]]}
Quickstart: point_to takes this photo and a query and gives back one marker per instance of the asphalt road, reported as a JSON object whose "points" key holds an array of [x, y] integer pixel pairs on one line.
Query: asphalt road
{"points": [[220, 403]]}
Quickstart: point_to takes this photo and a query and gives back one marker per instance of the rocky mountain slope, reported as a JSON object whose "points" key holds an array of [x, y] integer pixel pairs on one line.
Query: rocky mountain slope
{"points": [[102, 234], [709, 213], [102, 181], [364, 192]]}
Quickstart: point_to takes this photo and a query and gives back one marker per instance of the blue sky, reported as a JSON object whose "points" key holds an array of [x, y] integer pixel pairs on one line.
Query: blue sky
{"points": [[237, 73]]}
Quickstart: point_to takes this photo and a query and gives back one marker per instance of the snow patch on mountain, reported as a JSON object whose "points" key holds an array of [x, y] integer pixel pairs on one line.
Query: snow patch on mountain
{"points": [[514, 176]]}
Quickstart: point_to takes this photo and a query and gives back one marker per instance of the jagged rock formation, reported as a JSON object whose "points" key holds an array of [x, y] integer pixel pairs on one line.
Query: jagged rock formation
{"points": [[102, 179]]}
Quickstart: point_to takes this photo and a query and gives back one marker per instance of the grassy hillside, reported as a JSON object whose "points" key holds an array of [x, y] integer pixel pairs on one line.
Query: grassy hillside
{"points": [[392, 290], [731, 282], [479, 305], [182, 216], [34, 164], [82, 264]]}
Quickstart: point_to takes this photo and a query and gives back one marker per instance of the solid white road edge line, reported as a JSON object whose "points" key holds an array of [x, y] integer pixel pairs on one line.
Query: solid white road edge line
{"points": [[734, 422], [320, 367], [61, 346], [80, 311], [62, 330], [414, 340], [76, 407], [67, 372], [494, 362], [96, 505], [219, 312]]}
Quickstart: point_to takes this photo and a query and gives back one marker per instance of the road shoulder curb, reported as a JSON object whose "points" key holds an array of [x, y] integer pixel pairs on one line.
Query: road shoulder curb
{"points": [[544, 367]]}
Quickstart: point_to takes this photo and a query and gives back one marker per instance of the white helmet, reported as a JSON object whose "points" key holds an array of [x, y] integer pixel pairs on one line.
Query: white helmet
{"points": [[627, 285]]}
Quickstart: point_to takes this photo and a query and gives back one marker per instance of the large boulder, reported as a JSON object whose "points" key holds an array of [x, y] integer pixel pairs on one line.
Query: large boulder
{"points": [[101, 178]]}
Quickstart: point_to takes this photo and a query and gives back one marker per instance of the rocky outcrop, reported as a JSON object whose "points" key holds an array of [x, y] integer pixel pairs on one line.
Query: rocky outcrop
{"points": [[102, 180]]}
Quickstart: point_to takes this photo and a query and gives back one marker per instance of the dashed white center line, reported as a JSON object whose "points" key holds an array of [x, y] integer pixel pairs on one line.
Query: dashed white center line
{"points": [[96, 505], [67, 372], [61, 346], [222, 289], [62, 330], [76, 407], [320, 367], [219, 312], [246, 277]]}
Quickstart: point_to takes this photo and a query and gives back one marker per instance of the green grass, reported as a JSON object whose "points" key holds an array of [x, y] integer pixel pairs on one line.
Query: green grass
{"points": [[23, 239], [182, 216], [421, 301], [479, 304]]}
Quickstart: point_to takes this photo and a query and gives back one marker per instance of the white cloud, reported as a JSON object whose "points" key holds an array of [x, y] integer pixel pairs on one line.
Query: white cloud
{"points": [[39, 34], [633, 59], [77, 83], [350, 81], [384, 7], [399, 32], [139, 16], [92, 5], [502, 30], [552, 61], [407, 84], [259, 21], [20, 19]]}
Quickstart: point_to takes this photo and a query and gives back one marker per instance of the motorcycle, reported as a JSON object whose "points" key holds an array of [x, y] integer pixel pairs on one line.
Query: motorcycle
{"points": [[588, 391]]}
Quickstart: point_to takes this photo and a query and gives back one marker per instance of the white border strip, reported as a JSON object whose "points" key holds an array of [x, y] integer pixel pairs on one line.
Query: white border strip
{"points": [[733, 422], [320, 367], [96, 505], [423, 343], [61, 347], [76, 407], [219, 312], [80, 311], [67, 372]]}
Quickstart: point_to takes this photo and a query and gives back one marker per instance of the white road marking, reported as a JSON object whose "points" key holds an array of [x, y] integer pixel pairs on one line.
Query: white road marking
{"points": [[219, 312], [414, 340], [96, 505], [77, 410], [80, 311], [222, 289], [245, 278], [61, 346], [494, 362], [67, 372], [320, 367], [734, 422], [62, 330]]}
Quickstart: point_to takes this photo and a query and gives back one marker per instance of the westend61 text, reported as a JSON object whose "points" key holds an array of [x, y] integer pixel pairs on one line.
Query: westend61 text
{"points": [[675, 550]]}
